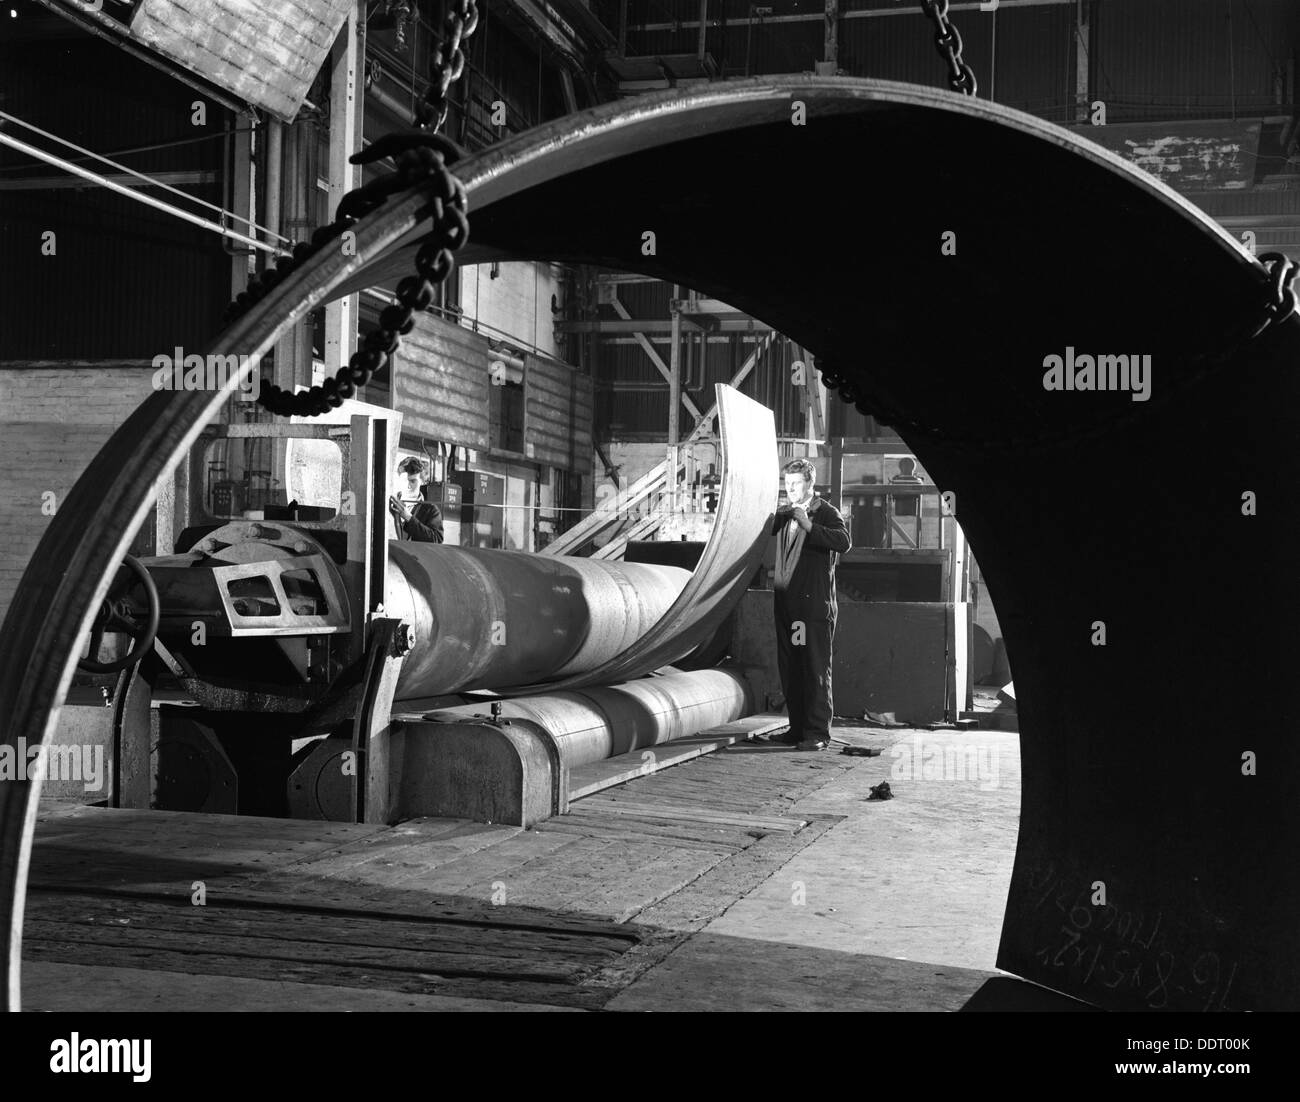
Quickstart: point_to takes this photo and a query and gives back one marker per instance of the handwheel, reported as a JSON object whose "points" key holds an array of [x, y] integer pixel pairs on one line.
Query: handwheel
{"points": [[115, 614]]}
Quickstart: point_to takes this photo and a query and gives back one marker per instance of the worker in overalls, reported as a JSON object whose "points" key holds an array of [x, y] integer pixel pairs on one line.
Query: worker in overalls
{"points": [[811, 536], [416, 517]]}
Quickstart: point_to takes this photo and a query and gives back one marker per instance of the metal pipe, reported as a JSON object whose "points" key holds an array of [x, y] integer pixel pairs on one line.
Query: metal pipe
{"points": [[132, 193], [274, 169], [993, 56], [158, 180], [674, 395], [812, 17], [376, 94]]}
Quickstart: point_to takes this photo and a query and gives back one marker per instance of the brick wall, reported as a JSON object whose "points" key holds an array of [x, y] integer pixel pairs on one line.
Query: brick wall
{"points": [[53, 420]]}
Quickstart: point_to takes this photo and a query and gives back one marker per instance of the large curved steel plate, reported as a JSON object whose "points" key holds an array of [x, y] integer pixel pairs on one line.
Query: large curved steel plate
{"points": [[750, 482], [1091, 511], [1133, 558]]}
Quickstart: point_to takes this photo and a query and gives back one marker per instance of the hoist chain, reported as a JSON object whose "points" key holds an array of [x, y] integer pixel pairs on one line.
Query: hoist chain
{"points": [[423, 157], [1282, 271], [1280, 305], [947, 40], [449, 63]]}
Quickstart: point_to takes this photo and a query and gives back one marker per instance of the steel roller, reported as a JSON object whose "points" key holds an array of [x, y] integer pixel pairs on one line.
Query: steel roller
{"points": [[488, 619], [590, 725]]}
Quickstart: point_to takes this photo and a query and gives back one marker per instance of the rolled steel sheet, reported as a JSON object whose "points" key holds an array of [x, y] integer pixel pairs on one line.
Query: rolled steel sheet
{"points": [[748, 493], [518, 623], [591, 725], [488, 619]]}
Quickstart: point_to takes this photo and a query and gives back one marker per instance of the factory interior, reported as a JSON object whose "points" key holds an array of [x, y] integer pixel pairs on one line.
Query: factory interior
{"points": [[271, 294]]}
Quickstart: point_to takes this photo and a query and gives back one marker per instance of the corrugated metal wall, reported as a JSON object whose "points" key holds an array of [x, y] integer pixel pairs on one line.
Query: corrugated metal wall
{"points": [[1148, 58], [558, 411], [1032, 67], [126, 281], [441, 377], [1174, 59]]}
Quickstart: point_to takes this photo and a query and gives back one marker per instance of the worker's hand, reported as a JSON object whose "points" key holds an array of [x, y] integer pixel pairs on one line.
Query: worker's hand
{"points": [[398, 510], [801, 517]]}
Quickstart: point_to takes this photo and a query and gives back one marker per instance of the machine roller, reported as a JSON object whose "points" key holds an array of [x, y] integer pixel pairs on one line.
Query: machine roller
{"points": [[318, 668]]}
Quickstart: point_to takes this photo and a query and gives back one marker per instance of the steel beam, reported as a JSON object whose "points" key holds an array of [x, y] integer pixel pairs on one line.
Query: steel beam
{"points": [[664, 325], [346, 121], [649, 349]]}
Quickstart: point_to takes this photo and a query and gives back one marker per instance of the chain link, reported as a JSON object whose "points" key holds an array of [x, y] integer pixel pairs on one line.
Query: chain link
{"points": [[947, 40], [423, 156], [1279, 306], [449, 62]]}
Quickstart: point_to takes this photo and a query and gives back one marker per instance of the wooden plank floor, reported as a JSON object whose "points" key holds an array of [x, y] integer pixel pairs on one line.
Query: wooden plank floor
{"points": [[546, 917]]}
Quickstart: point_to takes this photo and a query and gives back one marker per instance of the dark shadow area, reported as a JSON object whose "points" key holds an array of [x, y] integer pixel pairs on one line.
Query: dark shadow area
{"points": [[1096, 512], [1003, 993]]}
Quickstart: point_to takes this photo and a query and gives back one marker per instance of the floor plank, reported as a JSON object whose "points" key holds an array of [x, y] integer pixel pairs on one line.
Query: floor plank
{"points": [[673, 890]]}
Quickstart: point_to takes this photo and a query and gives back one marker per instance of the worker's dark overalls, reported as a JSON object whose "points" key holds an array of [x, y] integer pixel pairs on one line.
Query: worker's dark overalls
{"points": [[805, 609]]}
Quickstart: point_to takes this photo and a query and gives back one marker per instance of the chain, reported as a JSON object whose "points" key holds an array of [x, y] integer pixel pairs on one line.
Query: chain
{"points": [[449, 62], [947, 40], [1279, 306], [423, 156], [1282, 271]]}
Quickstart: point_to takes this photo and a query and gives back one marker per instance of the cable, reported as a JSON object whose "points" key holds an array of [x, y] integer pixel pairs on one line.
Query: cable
{"points": [[1259, 34], [145, 148]]}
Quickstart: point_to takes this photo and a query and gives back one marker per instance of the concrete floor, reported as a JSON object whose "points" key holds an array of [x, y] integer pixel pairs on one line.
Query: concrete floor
{"points": [[756, 878]]}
